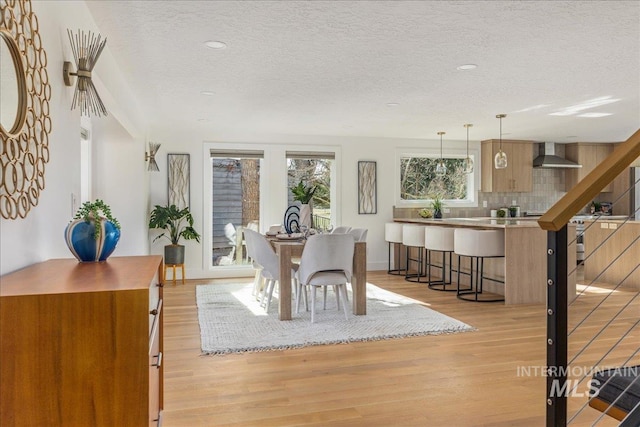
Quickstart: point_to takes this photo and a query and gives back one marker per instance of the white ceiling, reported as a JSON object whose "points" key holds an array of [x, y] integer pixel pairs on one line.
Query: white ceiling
{"points": [[331, 67]]}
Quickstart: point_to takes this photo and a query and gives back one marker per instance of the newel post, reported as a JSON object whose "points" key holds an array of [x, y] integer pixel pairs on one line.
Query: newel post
{"points": [[557, 270]]}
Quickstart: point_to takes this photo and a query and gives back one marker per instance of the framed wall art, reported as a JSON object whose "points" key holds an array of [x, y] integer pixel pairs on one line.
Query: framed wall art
{"points": [[367, 188], [179, 186]]}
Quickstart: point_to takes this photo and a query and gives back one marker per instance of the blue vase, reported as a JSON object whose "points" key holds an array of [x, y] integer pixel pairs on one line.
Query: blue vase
{"points": [[79, 236]]}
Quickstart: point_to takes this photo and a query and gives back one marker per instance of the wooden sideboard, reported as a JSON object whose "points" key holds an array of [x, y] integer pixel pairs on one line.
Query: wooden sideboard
{"points": [[81, 343]]}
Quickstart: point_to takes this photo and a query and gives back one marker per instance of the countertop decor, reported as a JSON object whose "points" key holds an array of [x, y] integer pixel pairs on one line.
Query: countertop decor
{"points": [[93, 233]]}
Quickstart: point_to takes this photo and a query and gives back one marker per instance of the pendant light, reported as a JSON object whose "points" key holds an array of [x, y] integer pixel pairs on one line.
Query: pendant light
{"points": [[500, 161], [441, 169], [468, 161]]}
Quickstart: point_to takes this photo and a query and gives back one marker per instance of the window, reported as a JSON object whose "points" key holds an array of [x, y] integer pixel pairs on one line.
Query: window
{"points": [[235, 204], [419, 183], [313, 169]]}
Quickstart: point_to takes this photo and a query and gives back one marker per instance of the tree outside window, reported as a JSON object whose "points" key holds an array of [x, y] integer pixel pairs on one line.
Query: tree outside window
{"points": [[418, 180]]}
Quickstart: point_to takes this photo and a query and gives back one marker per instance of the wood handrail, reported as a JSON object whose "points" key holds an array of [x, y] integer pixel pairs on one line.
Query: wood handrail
{"points": [[579, 196]]}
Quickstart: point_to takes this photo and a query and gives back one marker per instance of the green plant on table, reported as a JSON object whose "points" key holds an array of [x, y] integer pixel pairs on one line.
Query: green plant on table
{"points": [[436, 202], [303, 193], [92, 211]]}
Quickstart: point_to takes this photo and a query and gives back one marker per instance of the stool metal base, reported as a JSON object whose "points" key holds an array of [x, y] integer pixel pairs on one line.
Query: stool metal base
{"points": [[415, 277], [397, 271], [473, 292], [440, 285]]}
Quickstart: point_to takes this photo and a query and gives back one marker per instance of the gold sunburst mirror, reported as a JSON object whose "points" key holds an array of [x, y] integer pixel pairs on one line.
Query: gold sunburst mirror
{"points": [[25, 124]]}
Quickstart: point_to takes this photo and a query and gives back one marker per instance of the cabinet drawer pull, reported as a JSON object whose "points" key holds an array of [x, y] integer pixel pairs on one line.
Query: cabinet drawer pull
{"points": [[154, 312], [159, 363]]}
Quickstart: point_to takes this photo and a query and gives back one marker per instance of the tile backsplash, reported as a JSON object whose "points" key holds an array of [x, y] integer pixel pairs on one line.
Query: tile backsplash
{"points": [[548, 187]]}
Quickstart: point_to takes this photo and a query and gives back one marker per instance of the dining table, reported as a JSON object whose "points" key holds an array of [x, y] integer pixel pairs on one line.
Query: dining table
{"points": [[287, 250]]}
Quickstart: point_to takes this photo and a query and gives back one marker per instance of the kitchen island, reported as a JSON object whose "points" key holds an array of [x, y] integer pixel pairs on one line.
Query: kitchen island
{"points": [[612, 249], [524, 267]]}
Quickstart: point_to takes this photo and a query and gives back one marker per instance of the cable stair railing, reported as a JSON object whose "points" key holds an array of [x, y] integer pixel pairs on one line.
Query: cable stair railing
{"points": [[593, 337]]}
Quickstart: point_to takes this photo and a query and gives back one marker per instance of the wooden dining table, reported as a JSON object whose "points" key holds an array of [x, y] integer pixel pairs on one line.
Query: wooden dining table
{"points": [[288, 249]]}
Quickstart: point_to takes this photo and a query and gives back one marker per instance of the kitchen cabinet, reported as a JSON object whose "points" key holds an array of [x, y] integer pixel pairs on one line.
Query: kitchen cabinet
{"points": [[589, 155], [81, 343], [517, 177]]}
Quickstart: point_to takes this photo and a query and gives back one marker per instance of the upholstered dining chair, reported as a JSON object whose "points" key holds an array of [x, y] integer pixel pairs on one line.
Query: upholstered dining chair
{"points": [[359, 234], [250, 239], [265, 256], [343, 229], [327, 260]]}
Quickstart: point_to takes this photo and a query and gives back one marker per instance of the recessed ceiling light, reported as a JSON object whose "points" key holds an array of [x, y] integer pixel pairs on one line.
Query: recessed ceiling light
{"points": [[392, 104], [464, 67], [207, 93], [214, 44], [594, 115]]}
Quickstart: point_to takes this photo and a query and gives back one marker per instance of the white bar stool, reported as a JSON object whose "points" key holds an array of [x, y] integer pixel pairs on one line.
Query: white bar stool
{"points": [[413, 237], [439, 239], [477, 245], [393, 234]]}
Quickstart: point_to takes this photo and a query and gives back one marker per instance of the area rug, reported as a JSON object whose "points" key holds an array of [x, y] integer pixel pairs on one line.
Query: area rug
{"points": [[232, 321]]}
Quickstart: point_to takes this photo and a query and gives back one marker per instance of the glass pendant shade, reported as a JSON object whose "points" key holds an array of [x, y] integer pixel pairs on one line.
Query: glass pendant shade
{"points": [[468, 165], [500, 161], [441, 168], [468, 161]]}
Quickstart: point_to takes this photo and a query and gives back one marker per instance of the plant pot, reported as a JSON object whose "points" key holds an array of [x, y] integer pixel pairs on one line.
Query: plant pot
{"points": [[174, 254], [437, 213], [305, 215], [79, 236]]}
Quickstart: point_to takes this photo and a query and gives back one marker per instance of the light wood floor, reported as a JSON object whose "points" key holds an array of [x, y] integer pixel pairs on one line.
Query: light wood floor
{"points": [[465, 379]]}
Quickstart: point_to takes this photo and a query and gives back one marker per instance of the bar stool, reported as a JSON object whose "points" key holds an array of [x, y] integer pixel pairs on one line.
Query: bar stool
{"points": [[477, 245], [439, 239], [413, 237], [393, 234]]}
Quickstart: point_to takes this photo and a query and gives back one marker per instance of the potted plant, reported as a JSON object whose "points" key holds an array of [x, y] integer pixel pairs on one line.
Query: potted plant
{"points": [[513, 210], [436, 205], [93, 233], [304, 194], [177, 223]]}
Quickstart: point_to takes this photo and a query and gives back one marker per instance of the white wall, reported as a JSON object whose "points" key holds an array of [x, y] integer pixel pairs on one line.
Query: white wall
{"points": [[119, 178]]}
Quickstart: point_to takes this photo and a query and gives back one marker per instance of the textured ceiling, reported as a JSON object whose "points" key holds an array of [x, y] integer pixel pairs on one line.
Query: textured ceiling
{"points": [[331, 67]]}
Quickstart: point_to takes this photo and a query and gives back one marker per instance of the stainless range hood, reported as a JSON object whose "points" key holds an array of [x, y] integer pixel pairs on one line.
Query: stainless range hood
{"points": [[547, 158]]}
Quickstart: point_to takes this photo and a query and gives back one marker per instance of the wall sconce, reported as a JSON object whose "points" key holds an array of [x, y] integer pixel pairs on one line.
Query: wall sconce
{"points": [[86, 49], [151, 157]]}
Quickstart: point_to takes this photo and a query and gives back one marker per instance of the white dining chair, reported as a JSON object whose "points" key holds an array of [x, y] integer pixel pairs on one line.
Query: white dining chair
{"points": [[343, 229], [249, 237], [359, 234], [327, 260], [266, 257]]}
